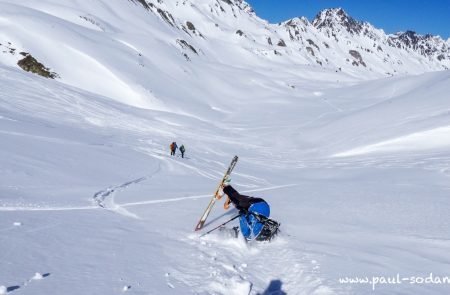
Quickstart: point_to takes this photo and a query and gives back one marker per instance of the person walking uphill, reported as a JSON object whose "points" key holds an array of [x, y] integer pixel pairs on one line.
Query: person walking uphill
{"points": [[173, 148], [182, 150], [254, 220]]}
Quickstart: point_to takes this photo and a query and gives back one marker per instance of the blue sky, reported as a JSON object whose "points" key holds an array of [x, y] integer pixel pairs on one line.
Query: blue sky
{"points": [[422, 16]]}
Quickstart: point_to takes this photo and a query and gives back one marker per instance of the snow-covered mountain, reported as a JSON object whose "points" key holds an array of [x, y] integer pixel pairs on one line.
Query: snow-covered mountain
{"points": [[367, 42], [80, 42], [353, 161]]}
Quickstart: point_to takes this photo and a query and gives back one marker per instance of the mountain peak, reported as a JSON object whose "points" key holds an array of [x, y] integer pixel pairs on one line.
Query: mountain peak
{"points": [[427, 45], [298, 21], [334, 18], [243, 5]]}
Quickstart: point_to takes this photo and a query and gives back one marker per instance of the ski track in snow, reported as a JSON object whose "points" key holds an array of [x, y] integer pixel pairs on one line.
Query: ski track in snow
{"points": [[108, 195], [198, 196], [39, 208], [100, 198]]}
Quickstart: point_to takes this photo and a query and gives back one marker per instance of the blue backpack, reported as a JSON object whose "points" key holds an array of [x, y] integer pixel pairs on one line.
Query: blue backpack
{"points": [[252, 223]]}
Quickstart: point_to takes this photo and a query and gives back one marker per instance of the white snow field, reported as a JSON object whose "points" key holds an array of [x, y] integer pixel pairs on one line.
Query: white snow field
{"points": [[91, 202]]}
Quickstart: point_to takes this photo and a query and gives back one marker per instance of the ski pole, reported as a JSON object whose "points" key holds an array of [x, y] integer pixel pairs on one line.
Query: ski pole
{"points": [[208, 232]]}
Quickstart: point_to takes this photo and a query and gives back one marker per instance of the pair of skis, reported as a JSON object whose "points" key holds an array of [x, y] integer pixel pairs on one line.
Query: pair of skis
{"points": [[217, 196]]}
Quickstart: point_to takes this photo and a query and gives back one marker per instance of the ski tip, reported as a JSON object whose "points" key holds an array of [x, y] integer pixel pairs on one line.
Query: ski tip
{"points": [[198, 227]]}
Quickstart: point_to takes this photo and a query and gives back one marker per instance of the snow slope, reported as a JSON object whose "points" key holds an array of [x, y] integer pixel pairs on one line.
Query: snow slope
{"points": [[65, 151], [91, 202]]}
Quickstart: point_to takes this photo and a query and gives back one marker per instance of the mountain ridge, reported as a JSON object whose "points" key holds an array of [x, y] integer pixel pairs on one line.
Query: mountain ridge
{"points": [[139, 45]]}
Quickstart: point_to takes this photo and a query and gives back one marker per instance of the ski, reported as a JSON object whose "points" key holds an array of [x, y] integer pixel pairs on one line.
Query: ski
{"points": [[216, 195]]}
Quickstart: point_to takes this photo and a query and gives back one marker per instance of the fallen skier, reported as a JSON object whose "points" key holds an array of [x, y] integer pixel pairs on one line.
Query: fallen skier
{"points": [[254, 213]]}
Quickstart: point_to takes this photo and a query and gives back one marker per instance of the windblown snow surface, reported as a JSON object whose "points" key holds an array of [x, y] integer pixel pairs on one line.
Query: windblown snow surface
{"points": [[357, 172]]}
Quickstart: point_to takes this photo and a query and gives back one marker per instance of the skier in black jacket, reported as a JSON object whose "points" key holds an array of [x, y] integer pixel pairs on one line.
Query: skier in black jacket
{"points": [[241, 202]]}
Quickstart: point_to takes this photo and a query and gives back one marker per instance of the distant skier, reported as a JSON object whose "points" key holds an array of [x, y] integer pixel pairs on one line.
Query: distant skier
{"points": [[254, 215], [173, 148], [182, 150]]}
